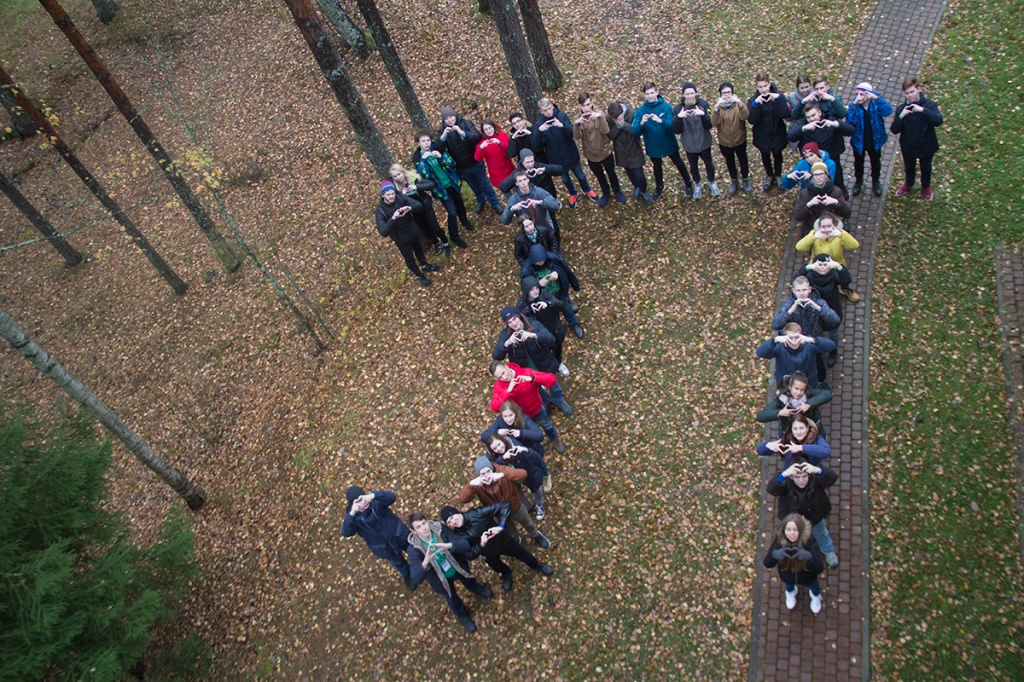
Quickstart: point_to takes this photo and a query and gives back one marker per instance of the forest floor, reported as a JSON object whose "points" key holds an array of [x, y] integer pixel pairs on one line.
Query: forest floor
{"points": [[654, 511]]}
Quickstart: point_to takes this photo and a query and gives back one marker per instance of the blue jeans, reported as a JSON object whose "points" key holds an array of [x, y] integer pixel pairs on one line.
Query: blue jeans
{"points": [[544, 422], [820, 533], [557, 397], [570, 316], [476, 177], [814, 588], [577, 170]]}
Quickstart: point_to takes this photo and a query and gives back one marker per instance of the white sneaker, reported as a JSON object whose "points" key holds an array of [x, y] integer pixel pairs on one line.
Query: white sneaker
{"points": [[563, 370], [815, 603], [714, 189], [790, 600]]}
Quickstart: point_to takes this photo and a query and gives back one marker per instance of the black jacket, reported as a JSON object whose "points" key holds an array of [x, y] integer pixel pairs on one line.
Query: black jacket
{"points": [[523, 243], [814, 567], [517, 144], [543, 176], [550, 316], [529, 353], [917, 131], [827, 138], [461, 148], [827, 285], [629, 152], [811, 502], [478, 520], [402, 230], [566, 277], [769, 122]]}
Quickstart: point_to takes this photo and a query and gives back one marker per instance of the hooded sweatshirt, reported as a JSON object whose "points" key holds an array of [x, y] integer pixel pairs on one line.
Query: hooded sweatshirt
{"points": [[659, 141], [551, 262], [540, 213], [694, 131], [550, 315]]}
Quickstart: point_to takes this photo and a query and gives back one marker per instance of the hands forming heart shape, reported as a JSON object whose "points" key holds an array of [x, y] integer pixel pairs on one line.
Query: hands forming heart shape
{"points": [[791, 552]]}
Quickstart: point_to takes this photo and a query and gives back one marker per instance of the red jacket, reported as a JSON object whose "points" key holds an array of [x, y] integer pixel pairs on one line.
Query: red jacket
{"points": [[499, 166], [526, 395]]}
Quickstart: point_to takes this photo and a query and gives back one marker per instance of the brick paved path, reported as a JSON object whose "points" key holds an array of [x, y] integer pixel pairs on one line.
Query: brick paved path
{"points": [[834, 645]]}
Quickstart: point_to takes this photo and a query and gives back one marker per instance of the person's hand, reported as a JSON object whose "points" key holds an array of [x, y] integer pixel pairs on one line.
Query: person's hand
{"points": [[807, 339], [785, 412], [512, 340], [803, 409], [557, 123], [543, 281], [544, 126], [811, 469], [795, 447], [779, 555], [774, 445], [655, 118], [828, 201], [522, 205], [781, 338], [791, 470], [537, 306], [496, 476], [811, 302], [832, 124], [553, 275], [477, 482], [907, 111], [802, 554], [645, 118], [810, 98], [807, 127], [533, 172], [509, 432], [828, 97], [489, 535], [683, 113], [408, 189], [519, 133], [697, 111], [792, 308], [814, 201], [834, 264]]}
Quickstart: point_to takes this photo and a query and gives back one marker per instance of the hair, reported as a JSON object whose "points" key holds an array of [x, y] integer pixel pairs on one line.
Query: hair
{"points": [[800, 281], [415, 516], [763, 77], [521, 174], [424, 131], [511, 405], [789, 328], [648, 86], [543, 102], [787, 382], [523, 218], [809, 106], [830, 216], [802, 526], [411, 176], [583, 97], [500, 439], [615, 110], [495, 364], [910, 82], [800, 80], [525, 320], [821, 79], [812, 430], [514, 114], [489, 122]]}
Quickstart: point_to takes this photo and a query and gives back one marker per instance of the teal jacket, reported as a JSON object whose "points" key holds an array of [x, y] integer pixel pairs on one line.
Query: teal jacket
{"points": [[659, 140]]}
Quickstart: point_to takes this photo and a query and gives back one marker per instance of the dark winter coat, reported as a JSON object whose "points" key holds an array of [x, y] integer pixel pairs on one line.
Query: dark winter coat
{"points": [[543, 176], [813, 568], [789, 360], [534, 353], [827, 138], [530, 435], [556, 142], [551, 316], [812, 322], [532, 463], [403, 230], [694, 131], [461, 147], [629, 153], [827, 285], [917, 131], [460, 547], [876, 112], [383, 531], [539, 214], [517, 144], [835, 109], [477, 521], [808, 214], [811, 502], [769, 122], [659, 140], [523, 244], [427, 218], [566, 277]]}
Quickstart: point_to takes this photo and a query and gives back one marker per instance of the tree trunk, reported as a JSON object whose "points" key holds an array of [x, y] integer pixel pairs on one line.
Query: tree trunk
{"points": [[346, 28], [220, 246], [518, 56], [70, 254], [20, 121], [540, 46], [193, 495], [164, 270], [393, 63], [344, 89], [106, 10]]}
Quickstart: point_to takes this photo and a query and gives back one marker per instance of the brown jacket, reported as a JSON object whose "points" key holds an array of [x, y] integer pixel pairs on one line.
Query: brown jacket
{"points": [[502, 490], [731, 124], [593, 137]]}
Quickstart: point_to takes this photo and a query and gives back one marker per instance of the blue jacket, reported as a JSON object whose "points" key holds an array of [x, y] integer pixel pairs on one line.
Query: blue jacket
{"points": [[814, 452], [530, 435], [557, 142], [532, 463], [566, 277], [788, 360], [383, 531], [826, 158], [659, 140], [878, 109]]}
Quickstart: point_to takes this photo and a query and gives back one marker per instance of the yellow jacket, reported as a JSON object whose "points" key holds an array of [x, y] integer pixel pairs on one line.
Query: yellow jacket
{"points": [[833, 246]]}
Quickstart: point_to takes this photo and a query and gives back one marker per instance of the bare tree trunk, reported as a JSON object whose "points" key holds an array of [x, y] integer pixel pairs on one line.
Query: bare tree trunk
{"points": [[344, 89], [194, 496], [518, 56], [135, 120], [393, 63], [106, 10], [164, 270], [70, 254], [346, 28], [540, 46], [20, 121]]}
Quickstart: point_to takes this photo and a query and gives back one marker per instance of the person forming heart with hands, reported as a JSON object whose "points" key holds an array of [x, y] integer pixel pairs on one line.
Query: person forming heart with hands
{"points": [[798, 558], [915, 123]]}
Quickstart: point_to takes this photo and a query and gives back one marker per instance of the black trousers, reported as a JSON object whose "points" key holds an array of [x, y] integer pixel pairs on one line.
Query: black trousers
{"points": [[509, 548], [731, 154], [637, 178], [709, 165], [772, 162], [413, 252], [659, 174], [858, 165], [602, 168], [910, 164]]}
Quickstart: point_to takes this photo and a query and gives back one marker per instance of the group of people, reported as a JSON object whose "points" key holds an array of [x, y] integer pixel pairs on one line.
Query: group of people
{"points": [[522, 165]]}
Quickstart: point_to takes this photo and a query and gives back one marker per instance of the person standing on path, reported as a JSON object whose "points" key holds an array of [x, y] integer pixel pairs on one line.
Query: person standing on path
{"points": [[798, 558], [369, 516], [915, 123], [653, 121], [802, 489], [867, 115], [820, 196]]}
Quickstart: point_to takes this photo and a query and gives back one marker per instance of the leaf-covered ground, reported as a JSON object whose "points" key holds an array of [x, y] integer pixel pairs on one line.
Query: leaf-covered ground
{"points": [[653, 514]]}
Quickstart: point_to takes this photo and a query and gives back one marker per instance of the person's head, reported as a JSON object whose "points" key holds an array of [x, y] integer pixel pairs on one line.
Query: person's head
{"points": [[803, 86], [523, 182], [448, 116], [528, 160], [864, 90], [511, 415], [514, 319], [801, 430], [689, 93], [498, 445], [822, 263], [451, 517], [794, 385], [801, 479], [534, 293], [827, 223], [585, 102], [812, 112], [355, 496], [764, 83], [501, 371], [419, 525], [397, 174], [483, 467], [821, 86], [650, 92], [387, 191], [527, 224], [726, 90], [793, 530], [516, 120], [811, 153], [489, 128], [615, 109], [911, 89], [527, 285], [801, 288], [424, 138], [819, 174], [792, 332], [546, 107]]}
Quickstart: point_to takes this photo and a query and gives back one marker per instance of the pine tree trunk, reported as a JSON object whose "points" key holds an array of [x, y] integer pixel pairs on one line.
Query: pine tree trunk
{"points": [[393, 63], [220, 246], [20, 121], [193, 495], [106, 10], [518, 56], [346, 28], [540, 46], [161, 266], [344, 89], [71, 256]]}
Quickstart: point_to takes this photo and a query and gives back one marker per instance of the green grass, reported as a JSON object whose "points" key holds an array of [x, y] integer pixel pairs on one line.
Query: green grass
{"points": [[946, 561]]}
